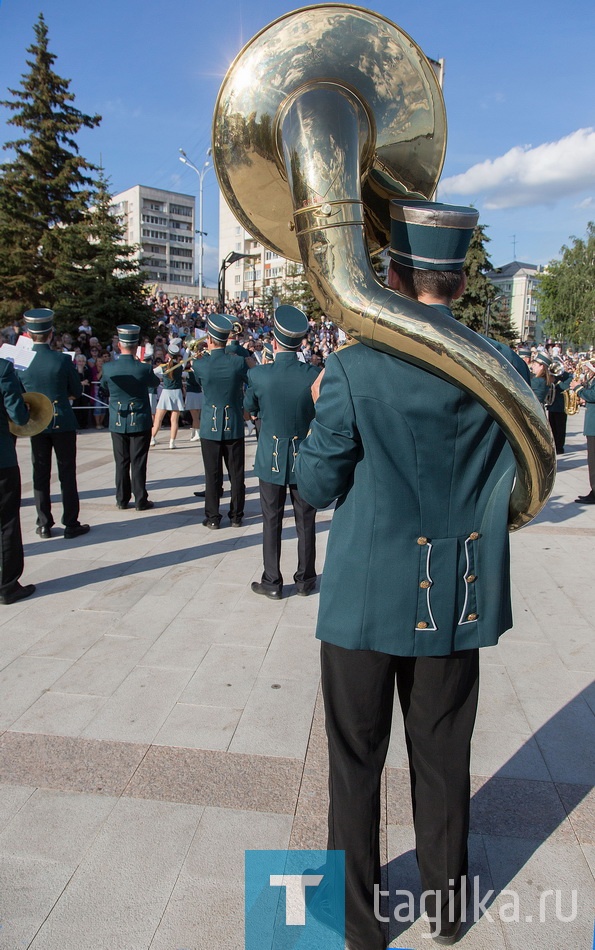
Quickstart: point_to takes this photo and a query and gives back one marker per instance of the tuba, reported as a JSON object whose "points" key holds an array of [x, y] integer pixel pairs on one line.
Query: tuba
{"points": [[323, 117]]}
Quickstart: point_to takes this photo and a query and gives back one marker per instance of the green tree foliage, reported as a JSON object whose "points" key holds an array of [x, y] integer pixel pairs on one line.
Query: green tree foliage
{"points": [[106, 283], [46, 186], [566, 292], [471, 308]]}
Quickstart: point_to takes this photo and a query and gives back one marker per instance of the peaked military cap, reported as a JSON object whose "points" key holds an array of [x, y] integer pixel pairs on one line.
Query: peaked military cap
{"points": [[429, 235], [173, 349], [219, 326], [542, 358], [524, 350], [40, 320], [290, 326], [128, 334]]}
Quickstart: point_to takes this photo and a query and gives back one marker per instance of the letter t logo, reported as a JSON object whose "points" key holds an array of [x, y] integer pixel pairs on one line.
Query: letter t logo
{"points": [[295, 894]]}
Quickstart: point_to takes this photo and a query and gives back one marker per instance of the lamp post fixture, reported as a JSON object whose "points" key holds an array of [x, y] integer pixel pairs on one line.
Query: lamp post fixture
{"points": [[488, 311], [201, 172], [231, 258]]}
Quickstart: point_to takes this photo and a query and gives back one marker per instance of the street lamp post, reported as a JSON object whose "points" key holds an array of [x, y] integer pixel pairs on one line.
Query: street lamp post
{"points": [[231, 258], [201, 172], [488, 311]]}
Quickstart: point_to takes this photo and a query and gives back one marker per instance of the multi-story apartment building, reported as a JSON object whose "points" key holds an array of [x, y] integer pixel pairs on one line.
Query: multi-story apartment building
{"points": [[162, 223], [518, 282]]}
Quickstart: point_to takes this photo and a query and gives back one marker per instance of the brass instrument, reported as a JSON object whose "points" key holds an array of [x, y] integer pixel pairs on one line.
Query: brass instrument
{"points": [[196, 346], [572, 401], [324, 116], [168, 368], [41, 412]]}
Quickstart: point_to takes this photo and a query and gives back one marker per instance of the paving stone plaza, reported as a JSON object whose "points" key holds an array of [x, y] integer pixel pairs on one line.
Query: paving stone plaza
{"points": [[157, 719]]}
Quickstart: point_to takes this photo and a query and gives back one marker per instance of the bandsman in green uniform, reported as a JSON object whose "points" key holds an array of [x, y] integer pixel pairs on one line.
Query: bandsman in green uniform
{"points": [[128, 382], [53, 374], [222, 376], [280, 394], [540, 382], [416, 579], [12, 409], [585, 390]]}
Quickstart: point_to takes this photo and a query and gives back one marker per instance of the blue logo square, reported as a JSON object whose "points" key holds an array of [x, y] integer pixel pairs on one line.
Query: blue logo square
{"points": [[295, 900]]}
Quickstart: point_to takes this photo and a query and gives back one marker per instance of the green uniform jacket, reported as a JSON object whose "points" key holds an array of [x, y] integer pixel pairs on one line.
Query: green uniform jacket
{"points": [[238, 350], [560, 386], [588, 394], [418, 554], [222, 376], [54, 374], [11, 407], [128, 381], [540, 388], [280, 393]]}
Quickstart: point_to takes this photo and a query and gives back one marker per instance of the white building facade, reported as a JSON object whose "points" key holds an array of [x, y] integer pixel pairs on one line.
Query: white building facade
{"points": [[251, 277], [163, 223], [518, 282]]}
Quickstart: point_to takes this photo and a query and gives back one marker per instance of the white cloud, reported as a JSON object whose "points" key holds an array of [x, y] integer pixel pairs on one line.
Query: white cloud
{"points": [[527, 176], [586, 203]]}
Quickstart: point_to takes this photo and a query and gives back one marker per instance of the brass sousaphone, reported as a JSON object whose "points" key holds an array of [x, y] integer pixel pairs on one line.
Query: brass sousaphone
{"points": [[40, 415], [324, 116]]}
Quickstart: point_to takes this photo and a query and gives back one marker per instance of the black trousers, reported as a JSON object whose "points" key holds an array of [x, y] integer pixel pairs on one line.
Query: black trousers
{"points": [[11, 543], [64, 445], [558, 422], [272, 501], [591, 460], [214, 454], [131, 451], [438, 697]]}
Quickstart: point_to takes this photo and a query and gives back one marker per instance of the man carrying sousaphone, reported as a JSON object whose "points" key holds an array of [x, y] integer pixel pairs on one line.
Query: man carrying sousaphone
{"points": [[13, 408], [416, 579], [128, 382]]}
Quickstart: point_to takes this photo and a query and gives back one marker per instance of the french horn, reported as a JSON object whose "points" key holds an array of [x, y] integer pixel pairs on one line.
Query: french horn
{"points": [[322, 118], [41, 412]]}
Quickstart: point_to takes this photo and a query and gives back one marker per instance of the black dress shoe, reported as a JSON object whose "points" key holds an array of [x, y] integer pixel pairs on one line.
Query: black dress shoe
{"points": [[258, 588], [585, 499], [75, 531], [44, 531], [145, 505], [236, 522], [448, 935], [305, 591], [18, 593], [122, 505], [199, 494], [211, 524]]}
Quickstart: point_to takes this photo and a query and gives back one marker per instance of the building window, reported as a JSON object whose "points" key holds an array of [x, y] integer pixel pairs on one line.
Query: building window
{"points": [[181, 209], [153, 219]]}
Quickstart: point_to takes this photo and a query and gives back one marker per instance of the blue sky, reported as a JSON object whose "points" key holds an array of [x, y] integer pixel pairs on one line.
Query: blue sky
{"points": [[518, 91]]}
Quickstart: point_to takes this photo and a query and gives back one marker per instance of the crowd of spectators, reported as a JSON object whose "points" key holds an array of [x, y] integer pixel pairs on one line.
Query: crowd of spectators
{"points": [[173, 318]]}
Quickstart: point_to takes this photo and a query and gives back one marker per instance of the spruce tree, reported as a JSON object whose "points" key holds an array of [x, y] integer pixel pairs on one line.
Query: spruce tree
{"points": [[471, 308], [105, 283], [46, 186]]}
